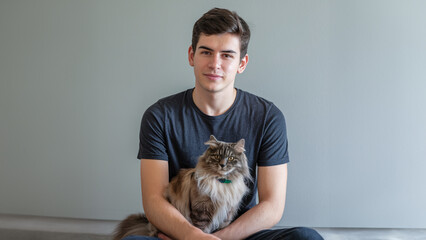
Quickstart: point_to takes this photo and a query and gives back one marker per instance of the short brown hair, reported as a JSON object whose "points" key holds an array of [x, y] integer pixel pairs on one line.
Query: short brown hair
{"points": [[218, 21]]}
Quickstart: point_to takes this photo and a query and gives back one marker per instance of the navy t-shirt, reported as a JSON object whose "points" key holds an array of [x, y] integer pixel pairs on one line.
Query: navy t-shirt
{"points": [[174, 130]]}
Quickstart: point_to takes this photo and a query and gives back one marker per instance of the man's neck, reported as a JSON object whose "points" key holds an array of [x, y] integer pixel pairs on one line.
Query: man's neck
{"points": [[214, 103]]}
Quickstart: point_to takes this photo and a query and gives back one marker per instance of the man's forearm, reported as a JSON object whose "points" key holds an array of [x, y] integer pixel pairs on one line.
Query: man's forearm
{"points": [[168, 219], [260, 217]]}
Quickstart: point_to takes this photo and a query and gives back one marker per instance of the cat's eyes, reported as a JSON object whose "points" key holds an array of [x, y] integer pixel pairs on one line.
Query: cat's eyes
{"points": [[219, 157]]}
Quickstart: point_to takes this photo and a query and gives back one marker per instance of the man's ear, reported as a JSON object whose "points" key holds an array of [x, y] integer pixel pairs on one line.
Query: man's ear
{"points": [[191, 56], [243, 64]]}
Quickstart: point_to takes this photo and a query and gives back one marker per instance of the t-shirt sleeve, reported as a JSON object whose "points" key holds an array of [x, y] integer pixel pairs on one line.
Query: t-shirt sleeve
{"points": [[274, 146], [152, 144]]}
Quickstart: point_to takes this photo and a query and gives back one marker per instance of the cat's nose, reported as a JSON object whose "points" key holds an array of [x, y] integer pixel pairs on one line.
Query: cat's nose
{"points": [[223, 162]]}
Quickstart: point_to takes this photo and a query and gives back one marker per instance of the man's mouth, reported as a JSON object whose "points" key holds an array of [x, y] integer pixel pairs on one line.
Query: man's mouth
{"points": [[213, 76]]}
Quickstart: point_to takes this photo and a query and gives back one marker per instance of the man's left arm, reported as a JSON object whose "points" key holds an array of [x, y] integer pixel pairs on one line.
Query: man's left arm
{"points": [[272, 185]]}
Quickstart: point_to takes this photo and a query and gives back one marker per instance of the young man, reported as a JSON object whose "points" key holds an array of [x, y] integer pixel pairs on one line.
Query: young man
{"points": [[174, 129]]}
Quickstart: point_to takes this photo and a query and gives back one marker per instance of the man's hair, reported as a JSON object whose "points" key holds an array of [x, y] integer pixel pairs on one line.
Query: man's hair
{"points": [[218, 21]]}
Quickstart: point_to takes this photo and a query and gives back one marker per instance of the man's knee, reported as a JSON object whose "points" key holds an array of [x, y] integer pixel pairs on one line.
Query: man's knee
{"points": [[304, 233]]}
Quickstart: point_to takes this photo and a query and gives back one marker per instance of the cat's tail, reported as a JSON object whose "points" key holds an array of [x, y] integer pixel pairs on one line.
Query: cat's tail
{"points": [[135, 224]]}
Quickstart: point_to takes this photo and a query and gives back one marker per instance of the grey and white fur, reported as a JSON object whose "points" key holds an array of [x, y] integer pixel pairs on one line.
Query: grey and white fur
{"points": [[208, 196]]}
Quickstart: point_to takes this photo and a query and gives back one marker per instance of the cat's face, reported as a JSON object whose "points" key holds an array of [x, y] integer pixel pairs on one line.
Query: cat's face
{"points": [[223, 159]]}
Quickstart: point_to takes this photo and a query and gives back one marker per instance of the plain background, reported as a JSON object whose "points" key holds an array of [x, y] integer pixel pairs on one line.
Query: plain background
{"points": [[350, 77]]}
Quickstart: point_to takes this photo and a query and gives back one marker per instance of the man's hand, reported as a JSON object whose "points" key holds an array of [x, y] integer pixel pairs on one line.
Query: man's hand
{"points": [[199, 236], [163, 236]]}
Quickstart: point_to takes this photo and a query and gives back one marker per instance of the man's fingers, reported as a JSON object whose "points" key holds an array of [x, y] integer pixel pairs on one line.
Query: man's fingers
{"points": [[163, 236]]}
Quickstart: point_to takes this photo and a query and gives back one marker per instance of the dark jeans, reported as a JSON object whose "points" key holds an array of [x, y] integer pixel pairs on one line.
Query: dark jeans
{"points": [[299, 233]]}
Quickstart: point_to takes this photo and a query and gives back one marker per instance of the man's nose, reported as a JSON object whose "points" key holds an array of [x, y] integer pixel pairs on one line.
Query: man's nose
{"points": [[215, 62]]}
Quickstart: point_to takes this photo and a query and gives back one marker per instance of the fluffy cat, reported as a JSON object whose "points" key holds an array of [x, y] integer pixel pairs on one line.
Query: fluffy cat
{"points": [[208, 196]]}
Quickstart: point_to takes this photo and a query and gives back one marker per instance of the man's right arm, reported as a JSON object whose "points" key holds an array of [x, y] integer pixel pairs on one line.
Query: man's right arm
{"points": [[154, 180]]}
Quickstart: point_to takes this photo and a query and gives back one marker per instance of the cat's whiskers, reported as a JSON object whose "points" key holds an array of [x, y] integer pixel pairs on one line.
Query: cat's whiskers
{"points": [[227, 172]]}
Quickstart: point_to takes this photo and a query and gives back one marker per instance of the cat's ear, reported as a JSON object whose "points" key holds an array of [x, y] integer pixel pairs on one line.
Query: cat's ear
{"points": [[239, 146], [212, 141]]}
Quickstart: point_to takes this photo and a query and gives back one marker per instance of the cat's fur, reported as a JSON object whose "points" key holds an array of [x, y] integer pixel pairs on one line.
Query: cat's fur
{"points": [[198, 193]]}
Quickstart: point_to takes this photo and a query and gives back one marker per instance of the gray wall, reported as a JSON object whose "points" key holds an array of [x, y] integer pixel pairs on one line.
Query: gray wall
{"points": [[350, 77]]}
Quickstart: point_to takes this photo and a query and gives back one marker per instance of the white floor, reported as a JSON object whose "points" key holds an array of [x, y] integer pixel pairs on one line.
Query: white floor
{"points": [[51, 224], [45, 228], [371, 234]]}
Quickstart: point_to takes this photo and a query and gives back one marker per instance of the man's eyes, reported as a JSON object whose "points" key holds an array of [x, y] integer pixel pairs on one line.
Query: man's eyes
{"points": [[225, 55]]}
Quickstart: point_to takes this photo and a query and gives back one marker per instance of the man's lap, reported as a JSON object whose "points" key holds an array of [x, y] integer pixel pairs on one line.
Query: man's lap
{"points": [[298, 233], [140, 238]]}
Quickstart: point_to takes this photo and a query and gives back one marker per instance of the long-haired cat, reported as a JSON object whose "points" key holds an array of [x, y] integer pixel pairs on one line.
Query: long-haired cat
{"points": [[208, 196]]}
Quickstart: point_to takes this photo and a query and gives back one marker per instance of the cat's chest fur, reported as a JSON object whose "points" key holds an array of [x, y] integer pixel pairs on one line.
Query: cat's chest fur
{"points": [[225, 197], [229, 194]]}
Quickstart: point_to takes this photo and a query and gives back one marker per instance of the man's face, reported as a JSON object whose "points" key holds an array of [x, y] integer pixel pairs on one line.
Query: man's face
{"points": [[216, 61]]}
